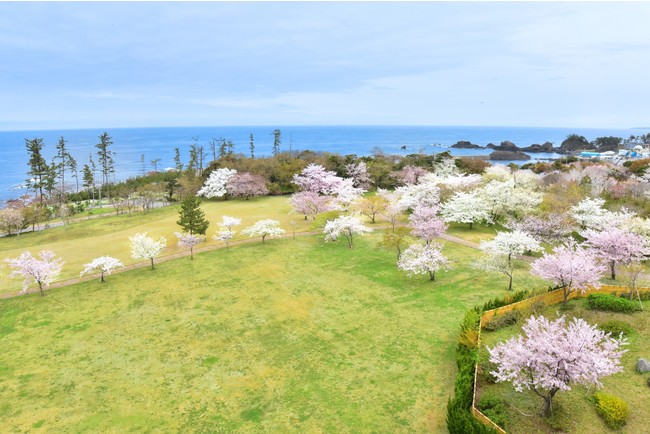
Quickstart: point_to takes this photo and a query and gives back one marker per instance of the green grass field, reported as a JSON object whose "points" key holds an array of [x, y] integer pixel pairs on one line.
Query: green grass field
{"points": [[293, 336], [573, 411]]}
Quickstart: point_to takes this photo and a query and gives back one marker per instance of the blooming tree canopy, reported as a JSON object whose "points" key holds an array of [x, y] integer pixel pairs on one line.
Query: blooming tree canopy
{"points": [[189, 241], [316, 179], [426, 224], [246, 185], [41, 271], [549, 228], [144, 247], [570, 267], [409, 175], [419, 259], [465, 207], [216, 184], [500, 251], [226, 234], [423, 194], [590, 214], [104, 265], [502, 197], [552, 356], [358, 172], [617, 246], [345, 225], [264, 228], [346, 193], [371, 206]]}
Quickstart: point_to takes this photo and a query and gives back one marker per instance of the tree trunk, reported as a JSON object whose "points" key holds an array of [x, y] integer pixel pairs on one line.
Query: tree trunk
{"points": [[510, 282], [548, 403], [565, 295], [191, 252], [470, 225], [152, 267], [101, 277], [612, 265], [263, 236], [40, 287], [432, 276]]}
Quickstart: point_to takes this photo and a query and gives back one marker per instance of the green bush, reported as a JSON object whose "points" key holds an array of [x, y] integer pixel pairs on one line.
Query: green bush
{"points": [[612, 409], [508, 299], [505, 320], [494, 408], [486, 371], [610, 303], [616, 327]]}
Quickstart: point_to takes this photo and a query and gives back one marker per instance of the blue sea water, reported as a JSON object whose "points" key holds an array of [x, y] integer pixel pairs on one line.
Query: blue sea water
{"points": [[130, 143]]}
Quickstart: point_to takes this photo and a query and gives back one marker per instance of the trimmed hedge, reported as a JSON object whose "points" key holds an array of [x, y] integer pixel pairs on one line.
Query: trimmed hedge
{"points": [[494, 408], [611, 303], [612, 409]]}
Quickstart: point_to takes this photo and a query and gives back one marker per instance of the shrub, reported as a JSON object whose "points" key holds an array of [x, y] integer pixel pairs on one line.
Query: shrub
{"points": [[616, 327], [486, 370], [498, 322], [508, 299], [494, 408], [612, 409], [610, 303]]}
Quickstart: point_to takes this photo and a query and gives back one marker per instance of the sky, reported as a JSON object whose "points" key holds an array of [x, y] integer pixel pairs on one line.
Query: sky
{"points": [[109, 65]]}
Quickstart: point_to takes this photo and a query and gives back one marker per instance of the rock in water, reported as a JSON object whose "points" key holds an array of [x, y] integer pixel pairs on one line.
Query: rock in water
{"points": [[643, 366]]}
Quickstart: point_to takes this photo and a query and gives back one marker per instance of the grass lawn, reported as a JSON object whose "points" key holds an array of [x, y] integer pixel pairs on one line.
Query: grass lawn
{"points": [[573, 411], [477, 234], [293, 336], [80, 242]]}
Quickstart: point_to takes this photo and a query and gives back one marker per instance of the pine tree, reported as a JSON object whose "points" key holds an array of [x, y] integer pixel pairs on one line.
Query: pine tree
{"points": [[38, 167], [277, 140], [192, 218], [106, 162], [252, 145], [66, 163], [177, 160]]}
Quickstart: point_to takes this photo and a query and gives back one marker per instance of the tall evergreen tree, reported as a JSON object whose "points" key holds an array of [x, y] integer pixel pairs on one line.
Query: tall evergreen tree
{"points": [[177, 160], [65, 162], [222, 147], [106, 162], [192, 218], [143, 166], [252, 145], [38, 167], [213, 148], [193, 164], [277, 140], [88, 180]]}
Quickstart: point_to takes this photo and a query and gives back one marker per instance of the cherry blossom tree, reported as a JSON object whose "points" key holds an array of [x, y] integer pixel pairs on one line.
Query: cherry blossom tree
{"points": [[552, 356], [409, 175], [103, 265], [426, 224], [419, 259], [393, 211], [617, 246], [395, 238], [264, 228], [502, 197], [590, 214], [423, 194], [346, 193], [465, 207], [549, 228], [216, 184], [226, 234], [500, 251], [570, 267], [41, 271], [358, 172], [347, 226], [144, 247], [246, 185], [310, 204], [11, 220], [316, 179], [189, 241]]}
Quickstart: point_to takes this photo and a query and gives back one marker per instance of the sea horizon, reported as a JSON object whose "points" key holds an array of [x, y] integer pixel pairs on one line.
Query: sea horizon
{"points": [[130, 143]]}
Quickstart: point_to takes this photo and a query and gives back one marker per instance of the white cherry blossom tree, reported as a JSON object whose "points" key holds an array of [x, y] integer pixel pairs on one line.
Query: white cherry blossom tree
{"points": [[144, 247], [40, 271], [103, 265]]}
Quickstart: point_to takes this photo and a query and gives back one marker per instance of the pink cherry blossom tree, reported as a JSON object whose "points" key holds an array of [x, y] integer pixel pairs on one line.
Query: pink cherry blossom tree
{"points": [[617, 246], [246, 185], [419, 259], [426, 224], [347, 226], [358, 172], [11, 220], [409, 175], [551, 356], [41, 271], [570, 267], [104, 265], [316, 179], [550, 228], [310, 204], [189, 241]]}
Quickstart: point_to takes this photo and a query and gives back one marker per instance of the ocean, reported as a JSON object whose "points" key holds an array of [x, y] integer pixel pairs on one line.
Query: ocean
{"points": [[130, 143]]}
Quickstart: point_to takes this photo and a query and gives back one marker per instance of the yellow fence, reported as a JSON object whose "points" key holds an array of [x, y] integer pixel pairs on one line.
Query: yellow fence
{"points": [[548, 298]]}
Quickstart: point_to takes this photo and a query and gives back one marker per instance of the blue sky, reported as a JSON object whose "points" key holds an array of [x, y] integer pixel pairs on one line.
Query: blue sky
{"points": [[77, 65]]}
